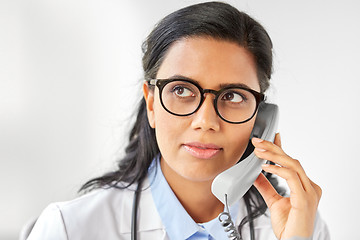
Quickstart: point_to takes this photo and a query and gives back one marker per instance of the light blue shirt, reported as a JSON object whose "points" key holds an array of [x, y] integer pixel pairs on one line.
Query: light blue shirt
{"points": [[177, 222]]}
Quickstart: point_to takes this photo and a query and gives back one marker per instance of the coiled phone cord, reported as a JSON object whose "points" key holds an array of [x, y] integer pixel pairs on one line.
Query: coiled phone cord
{"points": [[229, 225]]}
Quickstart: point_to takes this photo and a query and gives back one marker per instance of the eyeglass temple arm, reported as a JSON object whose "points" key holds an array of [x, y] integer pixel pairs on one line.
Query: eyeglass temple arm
{"points": [[152, 81]]}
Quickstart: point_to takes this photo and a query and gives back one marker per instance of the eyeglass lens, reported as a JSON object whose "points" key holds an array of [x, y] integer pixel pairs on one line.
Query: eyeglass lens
{"points": [[184, 98]]}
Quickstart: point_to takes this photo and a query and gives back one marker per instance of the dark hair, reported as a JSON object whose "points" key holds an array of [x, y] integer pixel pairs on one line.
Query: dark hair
{"points": [[214, 20]]}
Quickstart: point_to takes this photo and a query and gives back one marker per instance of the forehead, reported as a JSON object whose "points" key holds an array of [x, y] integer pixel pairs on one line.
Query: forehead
{"points": [[211, 62]]}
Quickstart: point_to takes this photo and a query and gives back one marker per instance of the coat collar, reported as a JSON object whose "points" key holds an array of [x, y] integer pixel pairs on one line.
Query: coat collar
{"points": [[148, 217]]}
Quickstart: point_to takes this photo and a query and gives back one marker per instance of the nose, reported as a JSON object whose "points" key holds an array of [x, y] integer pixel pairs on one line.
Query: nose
{"points": [[205, 118]]}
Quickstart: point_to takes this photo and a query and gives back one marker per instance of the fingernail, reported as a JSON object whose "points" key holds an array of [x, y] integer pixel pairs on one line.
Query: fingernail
{"points": [[259, 140], [265, 165], [260, 149]]}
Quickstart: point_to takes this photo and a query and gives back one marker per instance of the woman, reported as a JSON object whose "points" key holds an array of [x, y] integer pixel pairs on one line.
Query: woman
{"points": [[182, 139]]}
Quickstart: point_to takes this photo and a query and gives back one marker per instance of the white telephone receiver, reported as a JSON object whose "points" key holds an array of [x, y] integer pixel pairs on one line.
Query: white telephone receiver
{"points": [[234, 182]]}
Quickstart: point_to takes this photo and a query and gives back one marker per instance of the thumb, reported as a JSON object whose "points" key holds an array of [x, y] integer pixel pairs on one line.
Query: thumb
{"points": [[266, 190], [277, 140]]}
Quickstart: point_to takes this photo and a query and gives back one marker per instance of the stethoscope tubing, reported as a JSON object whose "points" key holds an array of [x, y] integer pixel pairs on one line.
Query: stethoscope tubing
{"points": [[137, 194]]}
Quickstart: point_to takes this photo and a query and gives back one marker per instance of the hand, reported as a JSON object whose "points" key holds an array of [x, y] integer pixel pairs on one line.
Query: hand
{"points": [[294, 215]]}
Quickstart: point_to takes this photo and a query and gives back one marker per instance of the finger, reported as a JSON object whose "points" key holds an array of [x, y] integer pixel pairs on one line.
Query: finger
{"points": [[296, 165], [287, 162], [317, 189], [267, 190], [263, 145], [292, 178], [271, 152], [277, 140]]}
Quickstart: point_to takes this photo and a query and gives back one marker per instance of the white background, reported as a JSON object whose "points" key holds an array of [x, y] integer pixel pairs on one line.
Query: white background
{"points": [[69, 80]]}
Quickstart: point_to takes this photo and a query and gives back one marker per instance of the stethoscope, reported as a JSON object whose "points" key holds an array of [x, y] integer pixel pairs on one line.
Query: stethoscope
{"points": [[225, 222], [135, 210]]}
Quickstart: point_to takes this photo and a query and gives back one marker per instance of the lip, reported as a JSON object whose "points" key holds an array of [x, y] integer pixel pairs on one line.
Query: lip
{"points": [[201, 150]]}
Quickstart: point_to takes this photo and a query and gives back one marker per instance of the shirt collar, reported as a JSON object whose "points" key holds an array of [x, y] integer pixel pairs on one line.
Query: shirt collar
{"points": [[177, 222]]}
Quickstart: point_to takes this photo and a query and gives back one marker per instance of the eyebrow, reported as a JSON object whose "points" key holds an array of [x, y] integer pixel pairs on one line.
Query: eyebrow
{"points": [[222, 85]]}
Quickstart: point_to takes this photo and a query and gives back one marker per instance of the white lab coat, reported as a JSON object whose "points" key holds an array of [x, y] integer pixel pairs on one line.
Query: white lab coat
{"points": [[101, 214], [106, 214]]}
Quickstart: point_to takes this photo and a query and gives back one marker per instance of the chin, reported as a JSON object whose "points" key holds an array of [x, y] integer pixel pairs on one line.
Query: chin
{"points": [[199, 175]]}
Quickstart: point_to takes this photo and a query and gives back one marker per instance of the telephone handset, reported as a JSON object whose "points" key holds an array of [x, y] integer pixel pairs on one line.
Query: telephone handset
{"points": [[230, 185]]}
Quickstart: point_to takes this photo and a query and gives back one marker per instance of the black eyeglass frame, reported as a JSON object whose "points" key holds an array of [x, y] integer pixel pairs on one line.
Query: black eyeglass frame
{"points": [[161, 83]]}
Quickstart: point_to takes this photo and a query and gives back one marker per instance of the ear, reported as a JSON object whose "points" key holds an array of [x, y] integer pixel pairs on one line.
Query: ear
{"points": [[149, 99]]}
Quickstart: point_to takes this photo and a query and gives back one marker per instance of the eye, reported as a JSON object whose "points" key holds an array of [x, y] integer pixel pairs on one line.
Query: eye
{"points": [[233, 97], [181, 91]]}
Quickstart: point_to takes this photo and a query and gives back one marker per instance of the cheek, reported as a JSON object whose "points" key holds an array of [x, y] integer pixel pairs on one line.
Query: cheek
{"points": [[167, 128], [238, 138]]}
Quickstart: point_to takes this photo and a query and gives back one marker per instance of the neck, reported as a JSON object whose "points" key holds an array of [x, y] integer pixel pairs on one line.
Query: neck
{"points": [[195, 196]]}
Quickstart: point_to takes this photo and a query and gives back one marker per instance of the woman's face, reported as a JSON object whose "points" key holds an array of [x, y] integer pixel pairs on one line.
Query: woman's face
{"points": [[200, 146]]}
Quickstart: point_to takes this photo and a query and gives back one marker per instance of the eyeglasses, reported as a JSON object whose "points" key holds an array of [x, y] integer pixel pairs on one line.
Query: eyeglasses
{"points": [[182, 97]]}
